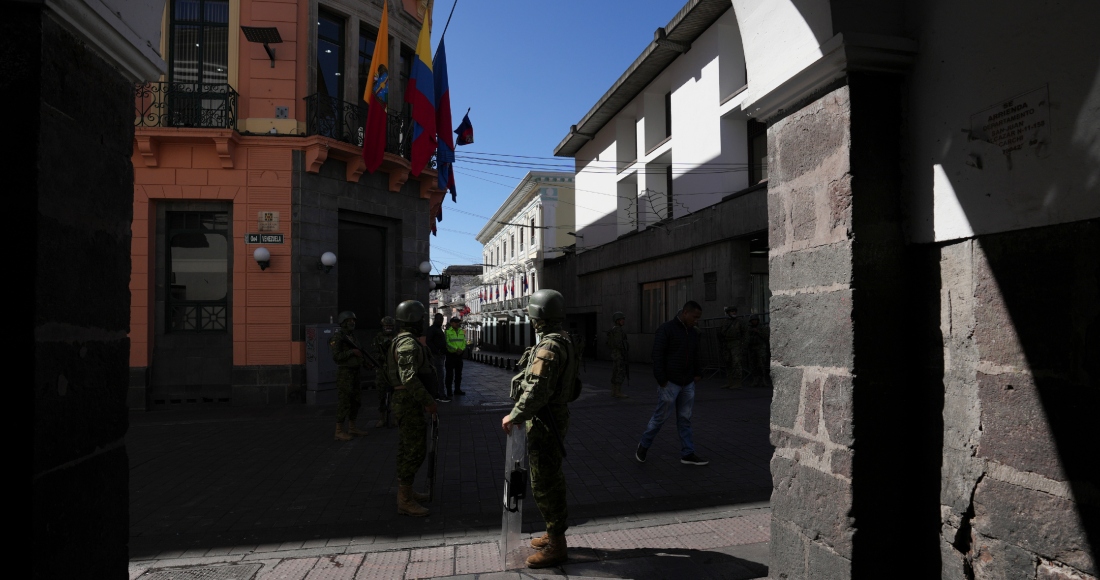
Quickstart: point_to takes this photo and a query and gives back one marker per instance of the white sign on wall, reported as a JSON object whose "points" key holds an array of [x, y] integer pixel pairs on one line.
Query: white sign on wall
{"points": [[1015, 124]]}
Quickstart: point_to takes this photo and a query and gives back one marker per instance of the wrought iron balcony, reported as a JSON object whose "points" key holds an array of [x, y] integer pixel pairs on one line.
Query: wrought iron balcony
{"points": [[165, 104], [343, 121]]}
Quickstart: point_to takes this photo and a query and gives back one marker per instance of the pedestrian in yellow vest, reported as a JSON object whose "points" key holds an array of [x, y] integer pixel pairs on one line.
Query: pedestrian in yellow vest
{"points": [[456, 349]]}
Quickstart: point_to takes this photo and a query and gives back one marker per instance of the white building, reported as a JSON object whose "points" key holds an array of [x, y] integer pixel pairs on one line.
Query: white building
{"points": [[535, 223], [673, 177], [669, 137]]}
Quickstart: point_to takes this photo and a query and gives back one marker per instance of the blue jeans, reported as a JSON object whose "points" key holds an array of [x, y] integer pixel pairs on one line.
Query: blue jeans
{"points": [[683, 397]]}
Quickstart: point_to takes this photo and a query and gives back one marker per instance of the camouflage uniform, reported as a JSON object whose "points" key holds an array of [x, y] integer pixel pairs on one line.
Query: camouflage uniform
{"points": [[732, 337], [620, 349], [545, 386], [380, 348], [347, 374], [407, 361], [758, 355]]}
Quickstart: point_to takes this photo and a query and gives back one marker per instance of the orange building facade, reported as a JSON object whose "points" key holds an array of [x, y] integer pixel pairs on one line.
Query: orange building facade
{"points": [[247, 170]]}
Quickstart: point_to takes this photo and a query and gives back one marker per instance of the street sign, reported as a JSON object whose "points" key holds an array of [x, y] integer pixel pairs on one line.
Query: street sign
{"points": [[263, 238]]}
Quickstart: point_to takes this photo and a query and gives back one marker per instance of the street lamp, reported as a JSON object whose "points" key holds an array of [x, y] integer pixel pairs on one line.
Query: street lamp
{"points": [[262, 257], [328, 260]]}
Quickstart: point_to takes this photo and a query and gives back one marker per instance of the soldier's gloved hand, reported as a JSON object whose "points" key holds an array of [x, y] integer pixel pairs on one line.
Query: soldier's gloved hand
{"points": [[432, 409], [357, 352]]}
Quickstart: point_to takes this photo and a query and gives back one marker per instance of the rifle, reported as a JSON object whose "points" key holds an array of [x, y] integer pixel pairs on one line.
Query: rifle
{"points": [[547, 418], [432, 455], [355, 345]]}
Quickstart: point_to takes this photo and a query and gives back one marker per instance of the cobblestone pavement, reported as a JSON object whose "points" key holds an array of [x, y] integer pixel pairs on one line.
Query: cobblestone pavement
{"points": [[268, 493]]}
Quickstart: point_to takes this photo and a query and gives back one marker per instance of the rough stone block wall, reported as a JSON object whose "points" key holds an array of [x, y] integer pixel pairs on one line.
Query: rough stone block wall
{"points": [[1020, 318], [847, 423], [74, 113], [812, 336]]}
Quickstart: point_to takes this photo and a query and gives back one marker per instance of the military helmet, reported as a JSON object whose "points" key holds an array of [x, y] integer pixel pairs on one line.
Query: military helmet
{"points": [[410, 312], [730, 309], [617, 316], [345, 315], [547, 304], [388, 321]]}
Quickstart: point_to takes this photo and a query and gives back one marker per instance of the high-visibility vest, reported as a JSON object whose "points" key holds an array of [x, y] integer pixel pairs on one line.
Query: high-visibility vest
{"points": [[456, 340]]}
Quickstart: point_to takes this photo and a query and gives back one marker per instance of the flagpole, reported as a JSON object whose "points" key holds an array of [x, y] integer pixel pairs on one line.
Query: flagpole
{"points": [[448, 21]]}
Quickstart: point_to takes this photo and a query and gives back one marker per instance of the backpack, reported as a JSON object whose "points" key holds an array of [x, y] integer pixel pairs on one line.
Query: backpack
{"points": [[571, 380]]}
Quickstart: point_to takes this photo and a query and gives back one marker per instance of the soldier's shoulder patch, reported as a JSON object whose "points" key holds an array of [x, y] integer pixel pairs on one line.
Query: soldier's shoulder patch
{"points": [[543, 358]]}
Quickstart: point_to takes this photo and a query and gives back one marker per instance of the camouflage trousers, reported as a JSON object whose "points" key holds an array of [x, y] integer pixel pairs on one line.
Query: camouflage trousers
{"points": [[383, 391], [547, 477], [618, 369], [412, 436], [734, 362], [348, 397]]}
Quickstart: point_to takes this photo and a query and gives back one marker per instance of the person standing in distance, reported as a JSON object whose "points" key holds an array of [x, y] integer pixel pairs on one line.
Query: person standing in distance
{"points": [[620, 349], [542, 392], [349, 358], [456, 349], [410, 367], [676, 368], [732, 337], [437, 347]]}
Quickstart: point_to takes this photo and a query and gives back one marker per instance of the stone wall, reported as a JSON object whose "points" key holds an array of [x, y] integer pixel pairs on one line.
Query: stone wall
{"points": [[1020, 319], [848, 421], [74, 113]]}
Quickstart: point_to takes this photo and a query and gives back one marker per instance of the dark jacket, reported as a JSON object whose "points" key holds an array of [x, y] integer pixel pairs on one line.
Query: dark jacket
{"points": [[676, 353], [437, 342]]}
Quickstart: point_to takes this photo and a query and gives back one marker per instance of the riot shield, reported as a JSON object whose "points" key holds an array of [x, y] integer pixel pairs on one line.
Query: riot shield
{"points": [[433, 444], [513, 551]]}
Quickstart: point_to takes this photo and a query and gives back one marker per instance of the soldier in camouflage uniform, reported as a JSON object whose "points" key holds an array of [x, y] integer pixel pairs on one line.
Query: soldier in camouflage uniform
{"points": [[408, 366], [620, 350], [381, 347], [759, 357], [732, 338], [541, 392], [349, 359]]}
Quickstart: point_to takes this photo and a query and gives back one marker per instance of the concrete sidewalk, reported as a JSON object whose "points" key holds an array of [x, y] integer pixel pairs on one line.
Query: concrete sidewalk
{"points": [[233, 488], [727, 543]]}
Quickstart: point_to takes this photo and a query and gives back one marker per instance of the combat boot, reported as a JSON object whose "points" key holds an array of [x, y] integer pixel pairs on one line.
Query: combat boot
{"points": [[341, 435], [552, 554], [406, 505], [540, 542], [353, 430], [617, 392]]}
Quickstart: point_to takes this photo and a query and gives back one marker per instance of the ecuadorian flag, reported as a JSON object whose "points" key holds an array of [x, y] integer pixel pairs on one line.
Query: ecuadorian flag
{"points": [[420, 94]]}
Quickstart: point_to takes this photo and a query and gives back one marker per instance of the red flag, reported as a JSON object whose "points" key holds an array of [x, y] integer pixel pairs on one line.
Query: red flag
{"points": [[376, 96]]}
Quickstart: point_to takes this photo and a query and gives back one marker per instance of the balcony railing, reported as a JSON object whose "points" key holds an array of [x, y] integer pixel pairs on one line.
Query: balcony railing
{"points": [[343, 121], [508, 304], [165, 104]]}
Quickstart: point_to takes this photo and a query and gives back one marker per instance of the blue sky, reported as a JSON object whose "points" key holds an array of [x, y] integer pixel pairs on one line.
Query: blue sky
{"points": [[528, 69]]}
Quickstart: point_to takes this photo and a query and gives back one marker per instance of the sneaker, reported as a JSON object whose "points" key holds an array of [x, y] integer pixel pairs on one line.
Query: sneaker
{"points": [[640, 454], [459, 393], [443, 400], [693, 459]]}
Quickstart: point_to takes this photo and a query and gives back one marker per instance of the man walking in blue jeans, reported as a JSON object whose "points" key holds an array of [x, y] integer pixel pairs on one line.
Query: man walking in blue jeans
{"points": [[676, 368]]}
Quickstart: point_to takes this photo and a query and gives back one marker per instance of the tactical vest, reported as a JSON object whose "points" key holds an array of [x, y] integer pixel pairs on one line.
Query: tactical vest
{"points": [[424, 369]]}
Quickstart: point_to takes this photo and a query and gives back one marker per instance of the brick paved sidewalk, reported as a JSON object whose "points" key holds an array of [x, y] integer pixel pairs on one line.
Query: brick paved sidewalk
{"points": [[730, 544], [229, 482]]}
